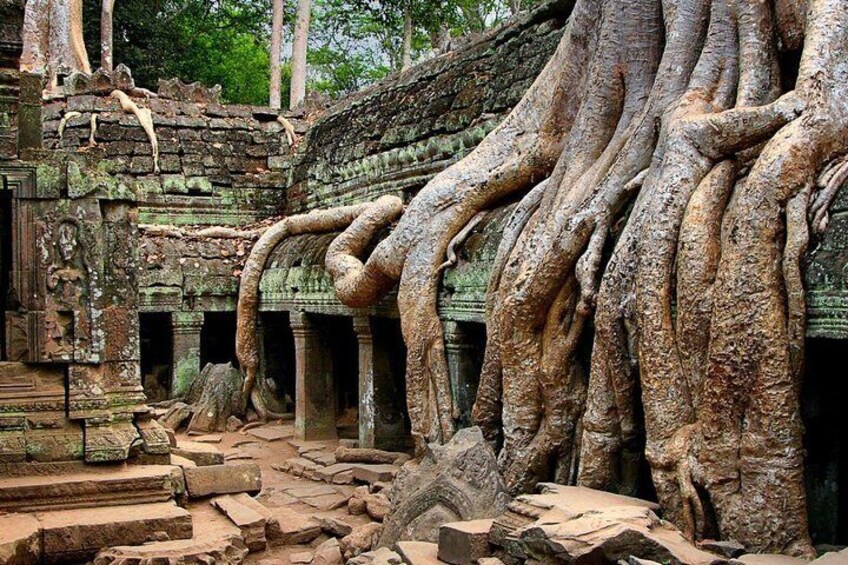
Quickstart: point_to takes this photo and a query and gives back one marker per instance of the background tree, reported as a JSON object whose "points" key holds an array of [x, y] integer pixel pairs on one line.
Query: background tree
{"points": [[276, 52], [300, 45], [106, 62]]}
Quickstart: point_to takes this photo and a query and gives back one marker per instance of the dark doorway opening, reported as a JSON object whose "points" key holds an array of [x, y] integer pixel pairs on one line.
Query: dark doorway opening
{"points": [[6, 250], [218, 339], [826, 441], [157, 354], [279, 360], [391, 395], [340, 340]]}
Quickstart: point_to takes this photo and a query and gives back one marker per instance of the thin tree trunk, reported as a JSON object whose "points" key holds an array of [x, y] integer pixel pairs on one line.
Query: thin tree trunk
{"points": [[406, 50], [276, 52], [299, 49], [52, 38], [106, 62]]}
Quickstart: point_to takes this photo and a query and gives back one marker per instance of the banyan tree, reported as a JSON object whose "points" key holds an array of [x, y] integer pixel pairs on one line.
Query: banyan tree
{"points": [[671, 162]]}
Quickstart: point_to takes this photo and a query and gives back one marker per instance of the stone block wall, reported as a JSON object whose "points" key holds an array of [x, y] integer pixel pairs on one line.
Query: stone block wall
{"points": [[215, 160], [11, 20]]}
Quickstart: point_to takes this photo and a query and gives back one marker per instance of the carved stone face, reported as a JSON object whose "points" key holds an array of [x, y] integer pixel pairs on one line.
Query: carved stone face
{"points": [[68, 241]]}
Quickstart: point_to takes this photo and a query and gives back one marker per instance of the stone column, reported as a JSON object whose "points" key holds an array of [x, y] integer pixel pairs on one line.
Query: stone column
{"points": [[315, 402], [464, 372], [381, 422], [185, 330]]}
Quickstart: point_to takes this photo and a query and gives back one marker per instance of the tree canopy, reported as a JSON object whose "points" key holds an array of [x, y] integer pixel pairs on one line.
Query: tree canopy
{"points": [[352, 42]]}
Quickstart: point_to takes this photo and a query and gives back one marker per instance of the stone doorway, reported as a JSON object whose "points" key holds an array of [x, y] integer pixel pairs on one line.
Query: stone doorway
{"points": [[156, 354], [826, 440]]}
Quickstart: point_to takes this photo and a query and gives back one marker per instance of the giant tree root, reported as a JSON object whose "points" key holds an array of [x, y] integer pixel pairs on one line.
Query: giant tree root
{"points": [[680, 170]]}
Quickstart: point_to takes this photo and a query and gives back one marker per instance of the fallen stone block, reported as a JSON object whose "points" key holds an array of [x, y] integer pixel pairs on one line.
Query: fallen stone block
{"points": [[203, 437], [295, 528], [298, 467], [176, 416], [226, 550], [418, 552], [272, 525], [367, 455], [182, 461], [769, 559], [271, 433], [322, 458], [20, 539], [370, 474], [202, 454], [832, 558], [328, 553], [77, 535], [462, 543], [333, 526], [379, 556], [363, 538], [331, 473], [249, 522], [726, 548], [223, 479], [301, 557]]}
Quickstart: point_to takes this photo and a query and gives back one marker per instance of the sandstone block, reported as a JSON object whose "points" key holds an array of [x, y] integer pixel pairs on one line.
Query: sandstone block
{"points": [[223, 479], [20, 539], [249, 521], [418, 552], [371, 473], [77, 535], [201, 453], [225, 550], [295, 528], [462, 543], [363, 538]]}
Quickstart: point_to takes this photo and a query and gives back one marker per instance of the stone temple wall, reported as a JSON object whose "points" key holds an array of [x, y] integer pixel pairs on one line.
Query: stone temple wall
{"points": [[11, 20]]}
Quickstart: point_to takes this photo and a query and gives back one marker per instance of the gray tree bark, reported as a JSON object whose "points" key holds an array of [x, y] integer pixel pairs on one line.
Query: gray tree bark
{"points": [[300, 47], [276, 52]]}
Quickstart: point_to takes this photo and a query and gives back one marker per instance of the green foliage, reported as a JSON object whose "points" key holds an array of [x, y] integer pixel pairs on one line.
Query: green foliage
{"points": [[352, 43], [212, 41]]}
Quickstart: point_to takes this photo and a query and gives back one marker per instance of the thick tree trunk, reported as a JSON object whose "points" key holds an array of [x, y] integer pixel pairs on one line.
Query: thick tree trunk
{"points": [[299, 51], [659, 131], [106, 62], [52, 38], [276, 52], [406, 46]]}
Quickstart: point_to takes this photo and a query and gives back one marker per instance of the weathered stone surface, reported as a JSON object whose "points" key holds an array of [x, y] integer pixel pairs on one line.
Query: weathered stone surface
{"points": [[223, 479], [201, 453], [226, 550], [833, 558], [176, 415], [418, 552], [90, 486], [20, 539], [575, 524], [374, 473], [463, 543], [727, 548], [295, 528], [70, 535], [365, 455], [455, 482], [272, 433], [769, 559], [379, 556], [363, 538], [249, 521], [333, 526], [328, 553]]}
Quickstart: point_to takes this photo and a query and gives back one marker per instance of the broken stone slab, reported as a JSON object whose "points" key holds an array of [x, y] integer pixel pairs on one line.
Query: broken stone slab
{"points": [[202, 454], [453, 482], [333, 526], [176, 415], [338, 473], [418, 552], [20, 539], [377, 506], [363, 538], [328, 553], [295, 529], [320, 457], [182, 461], [607, 534], [77, 535], [726, 548], [271, 433], [311, 490], [463, 543], [301, 557], [223, 479], [298, 467], [768, 559], [368, 455], [201, 437], [86, 486], [374, 473], [249, 522], [272, 525], [225, 550]]}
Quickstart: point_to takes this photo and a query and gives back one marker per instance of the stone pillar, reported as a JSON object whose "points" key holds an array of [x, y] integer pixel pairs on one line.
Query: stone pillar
{"points": [[463, 368], [315, 402], [381, 421], [185, 329]]}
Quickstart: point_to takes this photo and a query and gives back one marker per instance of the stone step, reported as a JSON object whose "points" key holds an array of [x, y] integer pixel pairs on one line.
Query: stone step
{"points": [[226, 550], [79, 534], [89, 486]]}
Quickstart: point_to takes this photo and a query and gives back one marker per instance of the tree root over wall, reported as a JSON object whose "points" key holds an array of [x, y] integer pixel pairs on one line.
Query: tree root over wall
{"points": [[670, 154]]}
